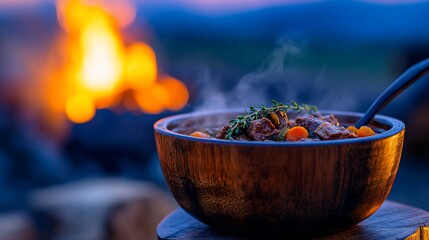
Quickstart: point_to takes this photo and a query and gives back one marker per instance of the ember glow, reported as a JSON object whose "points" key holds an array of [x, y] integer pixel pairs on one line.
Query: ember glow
{"points": [[100, 67]]}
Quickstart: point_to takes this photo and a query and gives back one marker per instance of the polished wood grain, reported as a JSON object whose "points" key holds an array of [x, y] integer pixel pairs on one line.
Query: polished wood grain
{"points": [[391, 221], [310, 188]]}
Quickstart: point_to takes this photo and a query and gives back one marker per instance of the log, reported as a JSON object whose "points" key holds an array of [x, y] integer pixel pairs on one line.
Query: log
{"points": [[392, 221]]}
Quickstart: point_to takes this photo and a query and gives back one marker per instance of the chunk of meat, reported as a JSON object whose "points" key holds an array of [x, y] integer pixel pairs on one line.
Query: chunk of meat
{"points": [[330, 118], [309, 122], [328, 131], [291, 124], [261, 129], [222, 133]]}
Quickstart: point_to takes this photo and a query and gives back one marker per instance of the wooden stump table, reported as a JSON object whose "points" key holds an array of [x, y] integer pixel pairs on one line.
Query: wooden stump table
{"points": [[391, 221]]}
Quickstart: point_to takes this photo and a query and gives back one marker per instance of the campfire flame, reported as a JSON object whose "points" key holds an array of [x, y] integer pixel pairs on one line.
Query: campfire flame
{"points": [[101, 69]]}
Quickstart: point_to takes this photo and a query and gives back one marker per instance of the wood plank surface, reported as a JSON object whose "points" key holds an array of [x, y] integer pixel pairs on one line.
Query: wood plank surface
{"points": [[392, 221]]}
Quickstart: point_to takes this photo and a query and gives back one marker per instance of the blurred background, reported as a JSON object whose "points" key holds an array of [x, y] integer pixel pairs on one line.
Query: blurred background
{"points": [[83, 81]]}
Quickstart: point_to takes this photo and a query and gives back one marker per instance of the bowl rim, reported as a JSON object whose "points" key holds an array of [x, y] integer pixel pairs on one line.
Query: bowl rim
{"points": [[396, 125]]}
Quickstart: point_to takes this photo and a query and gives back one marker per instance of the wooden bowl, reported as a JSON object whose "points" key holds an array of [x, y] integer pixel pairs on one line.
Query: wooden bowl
{"points": [[311, 187]]}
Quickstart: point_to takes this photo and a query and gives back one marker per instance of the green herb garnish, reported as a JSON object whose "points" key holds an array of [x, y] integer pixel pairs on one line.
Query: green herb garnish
{"points": [[240, 123]]}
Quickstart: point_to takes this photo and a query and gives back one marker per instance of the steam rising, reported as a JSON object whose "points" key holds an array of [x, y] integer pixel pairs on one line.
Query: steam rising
{"points": [[282, 79]]}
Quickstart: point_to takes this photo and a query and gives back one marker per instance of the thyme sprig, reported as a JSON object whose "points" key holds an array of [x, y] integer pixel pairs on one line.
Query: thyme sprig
{"points": [[241, 123]]}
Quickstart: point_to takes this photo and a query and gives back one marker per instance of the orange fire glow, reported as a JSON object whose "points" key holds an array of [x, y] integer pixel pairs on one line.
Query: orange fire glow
{"points": [[100, 67]]}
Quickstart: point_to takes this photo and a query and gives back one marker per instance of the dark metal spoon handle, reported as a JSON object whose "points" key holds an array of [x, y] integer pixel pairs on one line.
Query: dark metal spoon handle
{"points": [[413, 74]]}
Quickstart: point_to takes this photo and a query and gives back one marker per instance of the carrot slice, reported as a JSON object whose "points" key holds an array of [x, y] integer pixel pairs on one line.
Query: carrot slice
{"points": [[296, 133], [199, 134], [352, 129], [365, 131]]}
